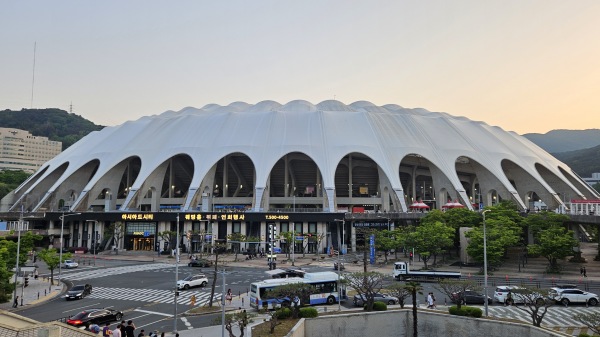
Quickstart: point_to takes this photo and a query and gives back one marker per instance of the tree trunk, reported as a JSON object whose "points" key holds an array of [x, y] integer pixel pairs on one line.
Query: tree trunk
{"points": [[414, 313]]}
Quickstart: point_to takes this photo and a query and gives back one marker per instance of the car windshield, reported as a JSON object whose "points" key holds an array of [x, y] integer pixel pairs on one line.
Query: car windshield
{"points": [[189, 278], [78, 288], [81, 315]]}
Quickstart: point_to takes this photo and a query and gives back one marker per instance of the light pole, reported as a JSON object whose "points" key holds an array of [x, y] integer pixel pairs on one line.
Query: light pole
{"points": [[176, 276], [20, 223], [62, 229], [94, 238], [485, 276], [343, 225]]}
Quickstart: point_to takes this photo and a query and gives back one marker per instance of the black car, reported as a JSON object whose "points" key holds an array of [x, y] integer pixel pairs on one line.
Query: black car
{"points": [[470, 297], [200, 263], [79, 291], [95, 316]]}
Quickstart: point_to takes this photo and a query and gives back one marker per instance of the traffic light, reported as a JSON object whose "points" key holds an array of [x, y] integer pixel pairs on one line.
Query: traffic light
{"points": [[26, 282], [274, 232]]}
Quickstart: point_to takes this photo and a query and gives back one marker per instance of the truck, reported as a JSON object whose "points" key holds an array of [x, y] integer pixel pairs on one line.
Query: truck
{"points": [[402, 272]]}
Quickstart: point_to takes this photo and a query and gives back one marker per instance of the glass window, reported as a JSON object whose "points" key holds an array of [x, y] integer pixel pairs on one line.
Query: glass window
{"points": [[298, 227], [285, 227], [312, 227]]}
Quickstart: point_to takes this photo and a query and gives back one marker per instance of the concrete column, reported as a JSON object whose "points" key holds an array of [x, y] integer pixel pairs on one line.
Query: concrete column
{"points": [[353, 237]]}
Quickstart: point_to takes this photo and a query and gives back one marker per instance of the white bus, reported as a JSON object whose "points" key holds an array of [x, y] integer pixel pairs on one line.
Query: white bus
{"points": [[325, 285]]}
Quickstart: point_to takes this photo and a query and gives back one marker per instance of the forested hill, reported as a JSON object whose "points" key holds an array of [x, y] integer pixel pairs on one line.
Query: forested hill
{"points": [[55, 124]]}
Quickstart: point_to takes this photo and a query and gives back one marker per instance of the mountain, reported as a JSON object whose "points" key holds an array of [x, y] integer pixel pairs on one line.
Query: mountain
{"points": [[55, 124], [584, 162], [557, 141]]}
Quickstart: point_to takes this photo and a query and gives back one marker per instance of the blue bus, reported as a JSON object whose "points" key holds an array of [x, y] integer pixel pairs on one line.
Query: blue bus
{"points": [[324, 284]]}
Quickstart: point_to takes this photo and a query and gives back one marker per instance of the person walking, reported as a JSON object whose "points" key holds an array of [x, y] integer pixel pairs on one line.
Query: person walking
{"points": [[429, 301], [193, 300], [141, 334], [581, 271], [130, 329], [229, 296], [16, 302], [584, 272]]}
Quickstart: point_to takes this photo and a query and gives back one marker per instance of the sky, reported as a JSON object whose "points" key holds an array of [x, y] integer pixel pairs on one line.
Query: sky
{"points": [[527, 66]]}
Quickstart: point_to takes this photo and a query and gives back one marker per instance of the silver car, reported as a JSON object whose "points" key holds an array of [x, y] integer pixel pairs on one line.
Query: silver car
{"points": [[360, 300]]}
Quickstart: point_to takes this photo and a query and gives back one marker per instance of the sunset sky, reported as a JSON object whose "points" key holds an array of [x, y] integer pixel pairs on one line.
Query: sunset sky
{"points": [[526, 66]]}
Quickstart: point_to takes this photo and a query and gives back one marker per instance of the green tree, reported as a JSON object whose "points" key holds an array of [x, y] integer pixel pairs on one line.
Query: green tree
{"points": [[501, 233], [385, 241], [553, 243], [293, 295], [414, 288], [7, 253], [237, 238], [542, 220], [51, 257], [431, 238], [366, 285]]}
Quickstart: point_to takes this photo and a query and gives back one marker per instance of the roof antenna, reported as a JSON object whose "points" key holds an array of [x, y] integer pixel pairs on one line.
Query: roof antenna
{"points": [[71, 107], [33, 79]]}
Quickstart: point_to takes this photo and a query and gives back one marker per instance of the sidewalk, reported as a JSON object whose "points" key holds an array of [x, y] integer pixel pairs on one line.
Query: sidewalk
{"points": [[37, 291]]}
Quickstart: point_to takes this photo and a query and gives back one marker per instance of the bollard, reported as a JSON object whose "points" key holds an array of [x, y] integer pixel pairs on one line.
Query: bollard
{"points": [[38, 295], [44, 292], [242, 301]]}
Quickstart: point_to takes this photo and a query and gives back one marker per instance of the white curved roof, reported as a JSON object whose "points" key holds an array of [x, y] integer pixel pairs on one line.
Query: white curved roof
{"points": [[325, 132]]}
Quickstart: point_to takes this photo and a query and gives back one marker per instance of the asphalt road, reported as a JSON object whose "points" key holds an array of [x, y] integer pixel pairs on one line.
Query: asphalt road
{"points": [[144, 292]]}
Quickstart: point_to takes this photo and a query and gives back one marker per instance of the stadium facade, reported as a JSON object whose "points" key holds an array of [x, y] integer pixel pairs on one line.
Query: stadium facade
{"points": [[239, 168]]}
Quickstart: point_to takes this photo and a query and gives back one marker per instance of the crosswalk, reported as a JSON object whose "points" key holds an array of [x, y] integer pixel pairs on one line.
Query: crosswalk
{"points": [[91, 273], [152, 295], [556, 316]]}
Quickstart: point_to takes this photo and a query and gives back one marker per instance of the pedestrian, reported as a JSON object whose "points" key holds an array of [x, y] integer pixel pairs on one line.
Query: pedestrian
{"points": [[433, 301], [229, 296], [429, 301], [581, 271], [106, 330], [509, 299], [130, 329], [193, 300], [122, 327], [16, 302], [141, 334], [95, 328], [584, 272], [117, 331]]}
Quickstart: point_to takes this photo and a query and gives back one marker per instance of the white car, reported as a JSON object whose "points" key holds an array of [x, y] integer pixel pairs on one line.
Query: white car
{"points": [[566, 296], [501, 293], [71, 264], [198, 280]]}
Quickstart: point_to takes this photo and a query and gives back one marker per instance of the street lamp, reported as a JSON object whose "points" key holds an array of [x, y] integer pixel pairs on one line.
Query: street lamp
{"points": [[176, 276], [485, 276], [62, 229]]}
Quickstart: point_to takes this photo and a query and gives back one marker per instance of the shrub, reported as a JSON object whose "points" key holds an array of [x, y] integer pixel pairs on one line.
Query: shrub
{"points": [[379, 306], [283, 313], [584, 335], [465, 311], [308, 312], [474, 312]]}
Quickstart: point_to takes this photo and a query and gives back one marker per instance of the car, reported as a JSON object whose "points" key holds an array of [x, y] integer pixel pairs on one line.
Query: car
{"points": [[200, 263], [501, 292], [470, 297], [71, 264], [95, 316], [198, 280], [79, 291], [359, 300], [572, 295]]}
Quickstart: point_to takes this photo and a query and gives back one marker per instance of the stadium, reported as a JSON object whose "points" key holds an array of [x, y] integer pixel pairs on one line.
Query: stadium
{"points": [[298, 166]]}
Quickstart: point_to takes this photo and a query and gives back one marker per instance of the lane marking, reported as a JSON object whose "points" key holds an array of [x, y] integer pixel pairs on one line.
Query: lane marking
{"points": [[154, 312]]}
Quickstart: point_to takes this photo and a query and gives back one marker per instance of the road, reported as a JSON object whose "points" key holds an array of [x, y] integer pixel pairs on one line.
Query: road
{"points": [[144, 292]]}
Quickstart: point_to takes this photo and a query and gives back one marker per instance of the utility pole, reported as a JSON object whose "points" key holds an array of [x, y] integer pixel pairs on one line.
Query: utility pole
{"points": [[176, 276]]}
